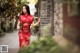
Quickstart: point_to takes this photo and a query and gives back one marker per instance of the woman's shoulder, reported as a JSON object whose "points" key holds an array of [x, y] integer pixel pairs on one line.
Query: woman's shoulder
{"points": [[31, 16], [21, 16]]}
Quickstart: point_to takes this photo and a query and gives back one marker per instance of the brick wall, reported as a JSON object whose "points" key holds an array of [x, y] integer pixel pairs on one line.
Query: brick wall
{"points": [[46, 16], [58, 18]]}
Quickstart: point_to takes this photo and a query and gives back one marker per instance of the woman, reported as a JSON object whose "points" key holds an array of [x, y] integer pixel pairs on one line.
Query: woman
{"points": [[25, 21]]}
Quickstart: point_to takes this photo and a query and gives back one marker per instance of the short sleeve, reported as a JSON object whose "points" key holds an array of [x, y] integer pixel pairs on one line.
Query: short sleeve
{"points": [[31, 19], [19, 18]]}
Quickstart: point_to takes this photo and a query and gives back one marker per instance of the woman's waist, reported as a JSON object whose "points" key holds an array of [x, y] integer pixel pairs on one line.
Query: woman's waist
{"points": [[24, 30]]}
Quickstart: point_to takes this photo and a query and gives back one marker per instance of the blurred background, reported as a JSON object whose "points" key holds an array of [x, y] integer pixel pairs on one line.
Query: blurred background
{"points": [[59, 19]]}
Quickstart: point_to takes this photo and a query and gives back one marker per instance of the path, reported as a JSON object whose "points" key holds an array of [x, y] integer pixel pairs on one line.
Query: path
{"points": [[11, 39]]}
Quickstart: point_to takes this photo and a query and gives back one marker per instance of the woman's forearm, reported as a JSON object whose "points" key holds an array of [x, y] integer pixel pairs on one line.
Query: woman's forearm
{"points": [[18, 25], [37, 23]]}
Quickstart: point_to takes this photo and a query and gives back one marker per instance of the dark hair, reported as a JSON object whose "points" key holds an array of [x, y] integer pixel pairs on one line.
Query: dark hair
{"points": [[27, 8]]}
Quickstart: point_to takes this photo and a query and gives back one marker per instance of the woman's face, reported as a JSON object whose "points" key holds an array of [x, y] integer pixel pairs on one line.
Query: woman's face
{"points": [[24, 9]]}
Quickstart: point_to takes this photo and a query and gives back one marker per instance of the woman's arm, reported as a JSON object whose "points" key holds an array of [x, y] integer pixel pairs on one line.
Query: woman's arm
{"points": [[35, 24], [18, 25]]}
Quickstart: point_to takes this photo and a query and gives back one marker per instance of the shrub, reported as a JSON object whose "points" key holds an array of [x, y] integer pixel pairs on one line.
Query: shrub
{"points": [[43, 45]]}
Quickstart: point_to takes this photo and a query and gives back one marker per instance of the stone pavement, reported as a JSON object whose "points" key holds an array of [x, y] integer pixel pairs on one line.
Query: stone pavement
{"points": [[11, 39]]}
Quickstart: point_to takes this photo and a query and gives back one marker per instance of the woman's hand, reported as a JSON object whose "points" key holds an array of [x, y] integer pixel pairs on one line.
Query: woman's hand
{"points": [[39, 20], [18, 27], [36, 24]]}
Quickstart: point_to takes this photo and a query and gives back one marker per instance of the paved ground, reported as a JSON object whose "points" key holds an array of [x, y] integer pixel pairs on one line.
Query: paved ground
{"points": [[11, 39], [66, 44]]}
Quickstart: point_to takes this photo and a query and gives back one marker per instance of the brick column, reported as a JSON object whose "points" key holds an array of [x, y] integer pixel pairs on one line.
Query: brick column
{"points": [[46, 17], [58, 18]]}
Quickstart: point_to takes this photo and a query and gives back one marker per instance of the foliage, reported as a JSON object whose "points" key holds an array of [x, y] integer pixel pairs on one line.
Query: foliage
{"points": [[6, 4], [46, 29], [43, 45], [1, 30], [8, 12], [22, 2]]}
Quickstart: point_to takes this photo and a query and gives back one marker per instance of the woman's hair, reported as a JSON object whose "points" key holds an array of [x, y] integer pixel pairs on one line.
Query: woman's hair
{"points": [[27, 8]]}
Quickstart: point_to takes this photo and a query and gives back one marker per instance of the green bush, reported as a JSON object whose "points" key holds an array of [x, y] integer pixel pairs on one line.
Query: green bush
{"points": [[1, 32], [46, 30], [43, 45]]}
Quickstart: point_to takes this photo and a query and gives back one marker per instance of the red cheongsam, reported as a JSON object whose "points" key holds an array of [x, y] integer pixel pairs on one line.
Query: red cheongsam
{"points": [[24, 32]]}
